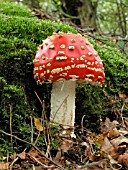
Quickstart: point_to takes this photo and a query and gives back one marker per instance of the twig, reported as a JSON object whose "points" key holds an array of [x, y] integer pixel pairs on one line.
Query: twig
{"points": [[38, 97], [24, 141], [122, 114], [31, 129], [11, 122], [43, 165], [43, 116], [82, 127], [16, 159]]}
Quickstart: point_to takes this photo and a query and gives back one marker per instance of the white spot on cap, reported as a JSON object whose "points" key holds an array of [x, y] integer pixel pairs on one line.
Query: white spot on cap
{"points": [[81, 40], [49, 64], [63, 74], [82, 57], [51, 46], [99, 77], [96, 62], [73, 76], [36, 60], [88, 80], [89, 75], [73, 66], [87, 43], [60, 52], [36, 68], [89, 53], [56, 70], [36, 75], [43, 57], [48, 71], [72, 59], [71, 47], [41, 67], [51, 77], [88, 63], [83, 47], [73, 40], [61, 57], [62, 46], [42, 74], [67, 68], [80, 66]]}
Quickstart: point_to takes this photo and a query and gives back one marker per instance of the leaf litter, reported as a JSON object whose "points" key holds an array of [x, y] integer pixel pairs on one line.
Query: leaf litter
{"points": [[87, 150]]}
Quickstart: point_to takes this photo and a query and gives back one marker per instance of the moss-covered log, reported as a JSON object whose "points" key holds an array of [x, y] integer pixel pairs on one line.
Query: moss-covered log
{"points": [[20, 36]]}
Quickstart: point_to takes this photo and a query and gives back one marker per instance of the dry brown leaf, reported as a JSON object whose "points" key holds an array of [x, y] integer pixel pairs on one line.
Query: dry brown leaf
{"points": [[100, 138], [113, 133], [122, 131], [105, 127], [66, 144], [117, 141], [58, 156], [22, 155], [114, 163], [99, 165], [87, 152], [124, 97], [123, 159], [38, 124], [4, 165], [108, 148], [99, 42]]}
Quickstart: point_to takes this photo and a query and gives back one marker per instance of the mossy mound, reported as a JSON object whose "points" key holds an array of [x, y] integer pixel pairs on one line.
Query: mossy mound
{"points": [[20, 36]]}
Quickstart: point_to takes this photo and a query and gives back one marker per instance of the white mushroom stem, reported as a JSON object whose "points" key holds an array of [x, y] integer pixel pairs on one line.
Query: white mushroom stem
{"points": [[63, 103]]}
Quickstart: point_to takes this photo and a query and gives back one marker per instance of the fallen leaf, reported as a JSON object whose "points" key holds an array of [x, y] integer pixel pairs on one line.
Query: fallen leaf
{"points": [[123, 160], [117, 141], [113, 133], [99, 165], [108, 148], [58, 156], [66, 144], [22, 155], [38, 124], [123, 132], [4, 165], [114, 163]]}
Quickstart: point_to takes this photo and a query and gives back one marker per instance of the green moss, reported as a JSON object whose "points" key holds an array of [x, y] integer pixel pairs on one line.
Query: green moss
{"points": [[12, 9]]}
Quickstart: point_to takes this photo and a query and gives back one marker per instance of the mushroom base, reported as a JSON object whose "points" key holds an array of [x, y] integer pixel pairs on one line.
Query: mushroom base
{"points": [[63, 103]]}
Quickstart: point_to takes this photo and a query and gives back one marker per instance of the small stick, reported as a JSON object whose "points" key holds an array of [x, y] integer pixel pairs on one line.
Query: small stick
{"points": [[122, 112], [10, 106], [43, 116], [31, 129], [82, 127], [24, 141], [44, 166]]}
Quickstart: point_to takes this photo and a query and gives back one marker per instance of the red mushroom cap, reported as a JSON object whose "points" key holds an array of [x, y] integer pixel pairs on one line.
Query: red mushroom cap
{"points": [[68, 56]]}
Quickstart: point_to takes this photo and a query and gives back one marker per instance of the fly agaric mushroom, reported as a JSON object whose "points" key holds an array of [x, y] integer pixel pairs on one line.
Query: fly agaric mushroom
{"points": [[64, 59]]}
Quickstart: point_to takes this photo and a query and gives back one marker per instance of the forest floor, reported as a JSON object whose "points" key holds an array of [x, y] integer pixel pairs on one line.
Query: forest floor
{"points": [[83, 150]]}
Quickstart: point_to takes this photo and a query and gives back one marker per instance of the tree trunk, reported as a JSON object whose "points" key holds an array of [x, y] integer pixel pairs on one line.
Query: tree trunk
{"points": [[88, 12], [84, 10]]}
